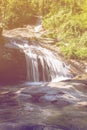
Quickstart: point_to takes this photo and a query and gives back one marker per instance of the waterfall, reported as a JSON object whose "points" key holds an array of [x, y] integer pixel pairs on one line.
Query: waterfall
{"points": [[42, 64]]}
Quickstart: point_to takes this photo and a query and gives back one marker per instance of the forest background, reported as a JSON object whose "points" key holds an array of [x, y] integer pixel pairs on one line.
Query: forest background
{"points": [[65, 20]]}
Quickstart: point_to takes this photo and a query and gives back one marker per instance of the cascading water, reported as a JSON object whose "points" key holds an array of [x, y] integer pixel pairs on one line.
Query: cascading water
{"points": [[42, 64]]}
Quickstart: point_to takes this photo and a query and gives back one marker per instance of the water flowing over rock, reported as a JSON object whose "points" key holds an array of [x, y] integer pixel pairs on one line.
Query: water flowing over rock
{"points": [[41, 63], [35, 105]]}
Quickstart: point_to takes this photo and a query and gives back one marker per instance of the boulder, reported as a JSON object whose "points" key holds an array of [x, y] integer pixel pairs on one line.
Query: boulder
{"points": [[12, 65], [1, 31]]}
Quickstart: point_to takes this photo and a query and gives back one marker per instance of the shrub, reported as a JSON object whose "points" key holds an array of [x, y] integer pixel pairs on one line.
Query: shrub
{"points": [[18, 12], [69, 20]]}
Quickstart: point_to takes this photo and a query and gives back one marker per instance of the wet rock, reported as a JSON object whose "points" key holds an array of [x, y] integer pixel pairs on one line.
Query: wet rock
{"points": [[60, 94], [31, 127], [12, 65], [8, 99], [52, 106], [1, 31], [55, 99]]}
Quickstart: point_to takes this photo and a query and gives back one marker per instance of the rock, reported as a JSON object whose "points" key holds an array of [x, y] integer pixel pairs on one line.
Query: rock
{"points": [[30, 127], [2, 38], [1, 31], [81, 76], [12, 65], [47, 106]]}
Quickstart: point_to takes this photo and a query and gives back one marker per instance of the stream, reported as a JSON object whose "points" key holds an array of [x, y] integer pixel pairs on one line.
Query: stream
{"points": [[49, 99], [44, 106]]}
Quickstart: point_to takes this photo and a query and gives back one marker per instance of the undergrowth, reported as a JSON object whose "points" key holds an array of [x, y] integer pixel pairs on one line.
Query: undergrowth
{"points": [[68, 23]]}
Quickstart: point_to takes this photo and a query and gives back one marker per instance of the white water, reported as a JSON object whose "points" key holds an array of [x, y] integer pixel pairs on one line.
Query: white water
{"points": [[42, 64]]}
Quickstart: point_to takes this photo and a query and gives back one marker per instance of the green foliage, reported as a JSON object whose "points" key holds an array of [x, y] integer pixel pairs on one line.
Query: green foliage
{"points": [[18, 12], [67, 21], [14, 13]]}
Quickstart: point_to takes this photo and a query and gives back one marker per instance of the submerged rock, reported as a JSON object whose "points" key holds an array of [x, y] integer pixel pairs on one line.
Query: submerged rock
{"points": [[48, 106]]}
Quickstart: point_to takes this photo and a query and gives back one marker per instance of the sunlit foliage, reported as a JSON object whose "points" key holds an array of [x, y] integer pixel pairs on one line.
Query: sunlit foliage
{"points": [[17, 12], [66, 20]]}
